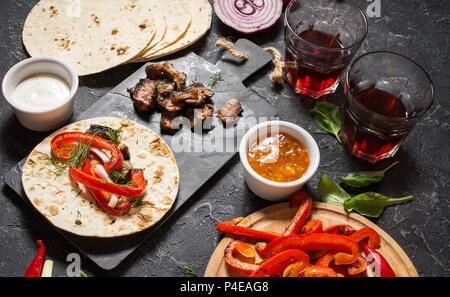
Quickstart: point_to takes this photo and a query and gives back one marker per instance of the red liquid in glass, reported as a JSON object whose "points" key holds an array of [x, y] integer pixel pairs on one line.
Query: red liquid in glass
{"points": [[378, 144], [305, 74]]}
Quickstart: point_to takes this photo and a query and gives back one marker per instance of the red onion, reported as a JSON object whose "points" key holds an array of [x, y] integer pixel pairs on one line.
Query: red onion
{"points": [[248, 16]]}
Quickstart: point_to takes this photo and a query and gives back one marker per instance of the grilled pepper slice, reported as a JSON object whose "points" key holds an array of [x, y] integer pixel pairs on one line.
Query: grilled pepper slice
{"points": [[339, 229], [312, 226], [93, 182], [279, 262], [245, 250], [305, 202], [229, 227], [61, 145], [367, 232], [319, 271], [347, 249], [102, 197]]}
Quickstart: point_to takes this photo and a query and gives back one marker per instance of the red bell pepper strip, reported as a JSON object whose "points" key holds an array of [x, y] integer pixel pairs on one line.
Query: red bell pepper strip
{"points": [[279, 262], [347, 249], [319, 271], [260, 246], [382, 267], [61, 142], [339, 229], [35, 268], [294, 270], [102, 197], [366, 232], [93, 182], [357, 267], [312, 226], [226, 227], [326, 259], [302, 213], [245, 250]]}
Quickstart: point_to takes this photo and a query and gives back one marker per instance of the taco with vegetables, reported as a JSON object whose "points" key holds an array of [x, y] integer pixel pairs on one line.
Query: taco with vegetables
{"points": [[102, 177]]}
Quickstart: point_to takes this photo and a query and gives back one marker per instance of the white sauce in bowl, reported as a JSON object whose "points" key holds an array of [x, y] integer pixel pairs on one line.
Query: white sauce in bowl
{"points": [[41, 91]]}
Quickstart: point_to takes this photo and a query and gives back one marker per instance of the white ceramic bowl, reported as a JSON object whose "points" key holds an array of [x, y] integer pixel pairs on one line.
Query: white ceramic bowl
{"points": [[267, 189], [47, 119]]}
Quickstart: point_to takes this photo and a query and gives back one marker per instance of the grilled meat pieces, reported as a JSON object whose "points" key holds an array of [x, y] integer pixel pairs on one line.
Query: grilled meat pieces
{"points": [[168, 124], [197, 116], [195, 95], [230, 111], [144, 95], [165, 87], [166, 71]]}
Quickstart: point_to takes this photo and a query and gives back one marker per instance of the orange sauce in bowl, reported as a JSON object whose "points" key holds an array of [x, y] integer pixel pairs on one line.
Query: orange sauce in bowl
{"points": [[279, 158]]}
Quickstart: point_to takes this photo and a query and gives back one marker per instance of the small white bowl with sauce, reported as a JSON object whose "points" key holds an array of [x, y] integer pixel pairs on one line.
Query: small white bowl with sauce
{"points": [[41, 92], [276, 190]]}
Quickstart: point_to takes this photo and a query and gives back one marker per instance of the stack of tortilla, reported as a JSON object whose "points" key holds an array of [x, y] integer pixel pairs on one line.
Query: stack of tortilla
{"points": [[94, 36]]}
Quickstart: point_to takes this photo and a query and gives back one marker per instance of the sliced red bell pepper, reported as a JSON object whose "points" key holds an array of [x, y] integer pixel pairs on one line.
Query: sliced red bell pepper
{"points": [[302, 213], [226, 227], [60, 143], [339, 229], [294, 270], [279, 262], [319, 271], [357, 267], [326, 259], [260, 246], [245, 250], [93, 182], [35, 268], [378, 262], [374, 239], [102, 197], [312, 226], [347, 249]]}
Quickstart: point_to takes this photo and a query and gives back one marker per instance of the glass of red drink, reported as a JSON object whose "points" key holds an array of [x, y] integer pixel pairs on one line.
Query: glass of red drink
{"points": [[321, 37], [386, 94]]}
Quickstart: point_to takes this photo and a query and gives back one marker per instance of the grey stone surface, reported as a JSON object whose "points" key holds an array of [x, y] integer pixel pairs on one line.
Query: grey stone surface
{"points": [[418, 29]]}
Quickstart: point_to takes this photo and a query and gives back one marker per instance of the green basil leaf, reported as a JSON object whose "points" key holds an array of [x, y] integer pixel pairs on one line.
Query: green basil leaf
{"points": [[331, 192], [327, 116], [370, 204], [361, 179]]}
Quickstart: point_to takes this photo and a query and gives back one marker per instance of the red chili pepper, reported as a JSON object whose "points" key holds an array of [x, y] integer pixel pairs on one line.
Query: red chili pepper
{"points": [[35, 268], [366, 232], [312, 226], [245, 250], [60, 147], [227, 227], [377, 261], [302, 214], [102, 197], [347, 249], [93, 182], [339, 229], [319, 271], [279, 262]]}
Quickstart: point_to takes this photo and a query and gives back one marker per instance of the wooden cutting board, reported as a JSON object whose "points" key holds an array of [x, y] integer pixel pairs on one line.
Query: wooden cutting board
{"points": [[276, 218]]}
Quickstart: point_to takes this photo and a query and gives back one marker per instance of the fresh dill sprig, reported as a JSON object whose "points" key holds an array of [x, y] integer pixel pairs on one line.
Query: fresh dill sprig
{"points": [[139, 202], [77, 155], [188, 269], [114, 135], [214, 79], [117, 176]]}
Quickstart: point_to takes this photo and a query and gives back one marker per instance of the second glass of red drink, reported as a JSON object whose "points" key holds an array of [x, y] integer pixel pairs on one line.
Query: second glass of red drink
{"points": [[321, 38]]}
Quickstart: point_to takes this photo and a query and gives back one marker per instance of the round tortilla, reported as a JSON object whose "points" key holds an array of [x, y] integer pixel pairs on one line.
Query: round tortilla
{"points": [[92, 36], [200, 24], [62, 202], [178, 18]]}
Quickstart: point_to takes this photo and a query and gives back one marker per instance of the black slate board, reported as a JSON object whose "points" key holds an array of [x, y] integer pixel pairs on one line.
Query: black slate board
{"points": [[195, 167]]}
